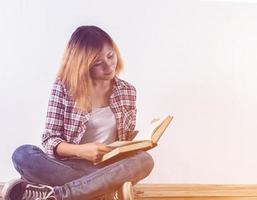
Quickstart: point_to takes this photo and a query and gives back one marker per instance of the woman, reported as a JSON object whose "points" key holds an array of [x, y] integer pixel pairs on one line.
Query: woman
{"points": [[89, 107]]}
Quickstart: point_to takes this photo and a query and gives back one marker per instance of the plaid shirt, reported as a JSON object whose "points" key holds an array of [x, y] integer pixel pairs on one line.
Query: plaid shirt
{"points": [[65, 123]]}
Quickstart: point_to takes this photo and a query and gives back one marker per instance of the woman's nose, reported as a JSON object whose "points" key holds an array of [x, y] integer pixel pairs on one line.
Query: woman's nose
{"points": [[108, 67]]}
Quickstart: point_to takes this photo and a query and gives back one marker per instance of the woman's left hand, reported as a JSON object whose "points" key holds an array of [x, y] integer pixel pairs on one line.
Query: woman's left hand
{"points": [[132, 134]]}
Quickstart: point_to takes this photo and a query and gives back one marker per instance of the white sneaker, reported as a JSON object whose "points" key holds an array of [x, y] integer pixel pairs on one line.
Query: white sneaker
{"points": [[126, 191], [19, 189]]}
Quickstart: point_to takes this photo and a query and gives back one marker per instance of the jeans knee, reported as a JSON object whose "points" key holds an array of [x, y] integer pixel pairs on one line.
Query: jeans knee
{"points": [[144, 163], [22, 154], [147, 162]]}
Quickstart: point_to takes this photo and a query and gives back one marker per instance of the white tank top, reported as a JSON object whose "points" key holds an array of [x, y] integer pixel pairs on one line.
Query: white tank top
{"points": [[101, 127]]}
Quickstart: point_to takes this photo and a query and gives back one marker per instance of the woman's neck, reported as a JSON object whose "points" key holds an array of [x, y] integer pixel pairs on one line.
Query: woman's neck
{"points": [[101, 84], [100, 89], [100, 93]]}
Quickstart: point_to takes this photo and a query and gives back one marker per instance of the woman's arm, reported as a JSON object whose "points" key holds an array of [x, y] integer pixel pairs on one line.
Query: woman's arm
{"points": [[54, 126], [53, 140], [131, 132], [89, 151]]}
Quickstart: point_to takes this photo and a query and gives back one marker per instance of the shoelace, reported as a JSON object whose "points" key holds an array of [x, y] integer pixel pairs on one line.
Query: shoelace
{"points": [[110, 196], [47, 196], [33, 192], [115, 195]]}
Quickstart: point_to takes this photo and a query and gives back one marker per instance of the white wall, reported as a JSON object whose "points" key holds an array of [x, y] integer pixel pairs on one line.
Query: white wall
{"points": [[194, 59]]}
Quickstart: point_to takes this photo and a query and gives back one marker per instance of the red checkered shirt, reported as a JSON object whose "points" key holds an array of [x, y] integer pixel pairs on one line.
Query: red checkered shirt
{"points": [[65, 123]]}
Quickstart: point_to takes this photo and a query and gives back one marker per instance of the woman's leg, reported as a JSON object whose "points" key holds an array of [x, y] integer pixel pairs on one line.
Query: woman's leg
{"points": [[35, 166], [79, 178], [133, 168]]}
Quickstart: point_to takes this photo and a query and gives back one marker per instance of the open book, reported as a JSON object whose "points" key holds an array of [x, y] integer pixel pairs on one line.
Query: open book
{"points": [[149, 141]]}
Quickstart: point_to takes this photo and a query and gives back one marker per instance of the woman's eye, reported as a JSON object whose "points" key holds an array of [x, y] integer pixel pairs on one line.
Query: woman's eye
{"points": [[110, 56], [98, 63]]}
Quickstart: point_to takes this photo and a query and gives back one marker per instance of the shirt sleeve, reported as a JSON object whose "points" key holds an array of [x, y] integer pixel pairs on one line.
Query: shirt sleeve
{"points": [[133, 113], [54, 126]]}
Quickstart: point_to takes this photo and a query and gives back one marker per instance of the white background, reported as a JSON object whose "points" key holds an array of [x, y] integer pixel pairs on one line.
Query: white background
{"points": [[194, 59]]}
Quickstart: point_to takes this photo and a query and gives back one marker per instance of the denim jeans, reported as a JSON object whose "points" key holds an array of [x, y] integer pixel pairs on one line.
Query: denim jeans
{"points": [[76, 178]]}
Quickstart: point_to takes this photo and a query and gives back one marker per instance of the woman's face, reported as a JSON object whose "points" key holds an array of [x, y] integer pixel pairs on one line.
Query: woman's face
{"points": [[104, 66]]}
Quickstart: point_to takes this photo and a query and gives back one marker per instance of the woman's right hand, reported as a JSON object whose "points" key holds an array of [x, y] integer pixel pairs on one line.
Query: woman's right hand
{"points": [[92, 151]]}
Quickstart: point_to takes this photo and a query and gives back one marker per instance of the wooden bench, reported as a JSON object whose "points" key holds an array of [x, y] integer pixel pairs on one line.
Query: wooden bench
{"points": [[193, 192]]}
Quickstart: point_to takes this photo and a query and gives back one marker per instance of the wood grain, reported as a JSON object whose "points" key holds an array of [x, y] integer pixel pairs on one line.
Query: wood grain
{"points": [[192, 192]]}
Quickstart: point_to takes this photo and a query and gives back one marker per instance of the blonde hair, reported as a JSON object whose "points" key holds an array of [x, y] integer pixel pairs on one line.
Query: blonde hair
{"points": [[81, 52]]}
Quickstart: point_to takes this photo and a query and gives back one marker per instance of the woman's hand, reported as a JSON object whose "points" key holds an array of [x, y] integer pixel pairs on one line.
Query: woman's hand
{"points": [[132, 134], [92, 151]]}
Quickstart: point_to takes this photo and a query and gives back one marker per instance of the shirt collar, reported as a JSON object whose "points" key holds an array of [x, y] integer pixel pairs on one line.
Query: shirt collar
{"points": [[118, 83]]}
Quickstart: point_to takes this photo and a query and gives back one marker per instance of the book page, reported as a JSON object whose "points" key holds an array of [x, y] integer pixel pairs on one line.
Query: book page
{"points": [[161, 128], [146, 133]]}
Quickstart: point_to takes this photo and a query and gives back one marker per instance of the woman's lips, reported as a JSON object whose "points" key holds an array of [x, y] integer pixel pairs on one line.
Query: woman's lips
{"points": [[107, 74]]}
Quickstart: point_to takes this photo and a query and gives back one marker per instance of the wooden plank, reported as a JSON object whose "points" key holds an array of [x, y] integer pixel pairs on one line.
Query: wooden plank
{"points": [[197, 198], [192, 192], [196, 190]]}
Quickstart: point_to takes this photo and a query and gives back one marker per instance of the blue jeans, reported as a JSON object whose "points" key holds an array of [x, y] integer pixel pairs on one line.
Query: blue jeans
{"points": [[74, 179]]}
